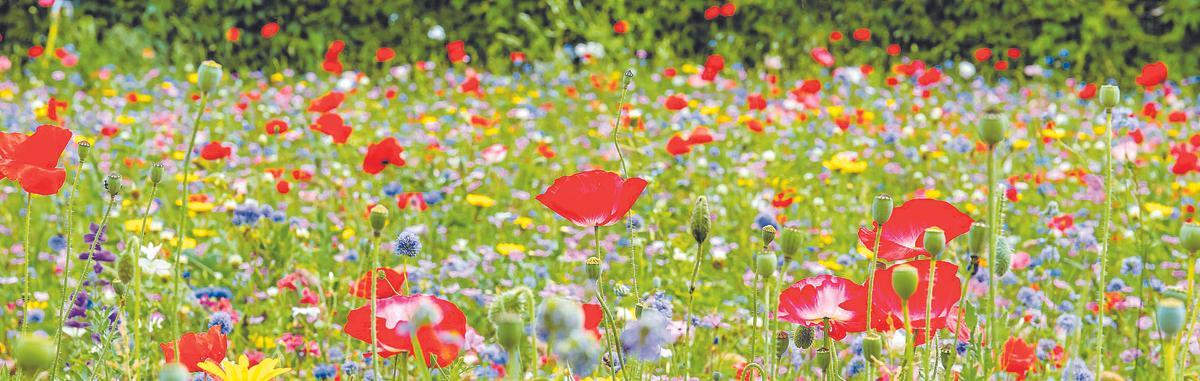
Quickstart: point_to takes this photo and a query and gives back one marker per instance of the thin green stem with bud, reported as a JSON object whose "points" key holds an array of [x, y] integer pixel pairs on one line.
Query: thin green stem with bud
{"points": [[66, 263], [871, 287], [181, 233], [79, 282], [994, 226], [687, 314], [1105, 226]]}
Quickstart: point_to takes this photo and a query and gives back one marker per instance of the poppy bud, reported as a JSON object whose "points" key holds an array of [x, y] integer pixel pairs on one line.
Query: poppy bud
{"points": [[119, 287], [33, 352], [789, 242], [208, 76], [620, 290], [781, 343], [764, 263], [112, 184], [1170, 316], [1189, 237], [125, 263], [768, 235], [84, 150], [174, 372], [904, 281], [700, 220], [823, 358], [510, 331], [881, 209], [948, 354], [804, 337], [379, 215], [991, 129], [1109, 96], [1174, 292], [935, 241], [872, 346], [156, 173], [977, 237], [1003, 260], [592, 267]]}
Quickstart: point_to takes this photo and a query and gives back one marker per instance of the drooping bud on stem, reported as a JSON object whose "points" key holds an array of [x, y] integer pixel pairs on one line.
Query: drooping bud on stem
{"points": [[700, 220]]}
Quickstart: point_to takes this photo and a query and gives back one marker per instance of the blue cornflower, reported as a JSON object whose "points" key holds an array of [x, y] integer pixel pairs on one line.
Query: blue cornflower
{"points": [[392, 189], [580, 351], [58, 243], [1131, 266], [1067, 322], [1116, 284], [1077, 370], [324, 371], [223, 320], [350, 368], [246, 214], [558, 317], [1029, 298], [407, 244], [645, 337]]}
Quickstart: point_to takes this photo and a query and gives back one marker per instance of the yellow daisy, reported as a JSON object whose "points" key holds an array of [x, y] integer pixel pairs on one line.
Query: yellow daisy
{"points": [[242, 371]]}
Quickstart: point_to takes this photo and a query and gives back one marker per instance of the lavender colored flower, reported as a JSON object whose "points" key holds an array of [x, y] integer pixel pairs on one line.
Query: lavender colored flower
{"points": [[645, 337], [580, 351], [324, 371], [407, 244], [1077, 370], [223, 320]]}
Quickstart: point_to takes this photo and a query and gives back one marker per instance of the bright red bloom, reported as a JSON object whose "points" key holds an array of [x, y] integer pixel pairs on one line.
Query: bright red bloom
{"points": [[283, 187], [835, 36], [714, 62], [620, 27], [893, 49], [380, 155], [215, 151], [269, 30], [1019, 357], [333, 125], [593, 315], [384, 54], [516, 57], [822, 56], [1153, 74], [712, 12], [756, 102], [195, 348], [470, 85], [904, 233], [810, 86], [456, 51], [415, 200], [1177, 117], [675, 103], [1014, 53], [52, 110], [545, 150], [1001, 65], [32, 160], [699, 135], [812, 300], [1088, 91], [929, 77], [783, 199], [233, 34], [888, 309], [276, 127], [592, 198], [983, 54], [728, 9], [862, 34], [327, 102], [442, 339], [678, 146], [389, 283], [35, 51]]}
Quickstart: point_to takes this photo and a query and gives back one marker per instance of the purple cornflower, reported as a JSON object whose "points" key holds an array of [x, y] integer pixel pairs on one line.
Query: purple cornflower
{"points": [[645, 337]]}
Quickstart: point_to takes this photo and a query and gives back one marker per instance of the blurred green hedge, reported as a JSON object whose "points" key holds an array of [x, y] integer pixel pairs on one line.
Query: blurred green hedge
{"points": [[1103, 39]]}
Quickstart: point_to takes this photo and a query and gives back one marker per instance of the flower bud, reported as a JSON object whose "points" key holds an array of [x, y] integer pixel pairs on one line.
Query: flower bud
{"points": [[904, 281], [1170, 317], [948, 354], [1110, 95], [1189, 237], [510, 331], [592, 267], [208, 76], [804, 337], [717, 376], [935, 241], [119, 287], [1003, 260], [378, 217], [991, 129], [781, 343], [620, 290], [156, 173], [33, 353], [174, 372], [85, 149], [823, 359], [700, 220], [881, 209], [977, 237], [112, 184], [789, 242], [872, 346], [768, 235], [765, 263]]}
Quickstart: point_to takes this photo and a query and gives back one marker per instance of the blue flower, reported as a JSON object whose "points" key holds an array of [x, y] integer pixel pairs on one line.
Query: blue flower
{"points": [[407, 244], [645, 337], [324, 371], [580, 351], [58, 243], [223, 320], [1077, 370]]}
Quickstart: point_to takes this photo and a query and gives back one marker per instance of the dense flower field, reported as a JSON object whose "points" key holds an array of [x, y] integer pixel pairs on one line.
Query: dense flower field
{"points": [[594, 218]]}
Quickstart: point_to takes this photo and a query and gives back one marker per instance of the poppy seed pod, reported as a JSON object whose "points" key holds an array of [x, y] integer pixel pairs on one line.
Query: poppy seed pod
{"points": [[991, 129], [823, 358], [977, 237], [700, 220], [592, 267], [1110, 95], [768, 235], [804, 337], [1170, 316], [789, 242], [33, 353], [1003, 260], [208, 76], [174, 372], [156, 173], [112, 184], [378, 217], [510, 331], [881, 209], [765, 263], [935, 241], [781, 343], [85, 149], [872, 346], [1189, 237], [904, 281]]}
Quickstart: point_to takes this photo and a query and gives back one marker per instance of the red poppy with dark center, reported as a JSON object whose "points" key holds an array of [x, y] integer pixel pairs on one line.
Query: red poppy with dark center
{"points": [[592, 198], [456, 51], [32, 160], [380, 155], [215, 151], [195, 348], [332, 124], [388, 283], [1152, 75], [276, 127], [1019, 357], [327, 102], [384, 54], [904, 232], [813, 300], [416, 200], [887, 312], [441, 340], [269, 30], [675, 103]]}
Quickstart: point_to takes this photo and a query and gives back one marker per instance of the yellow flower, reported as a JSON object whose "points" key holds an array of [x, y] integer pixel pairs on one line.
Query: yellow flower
{"points": [[1020, 144], [509, 248], [523, 222], [188, 242], [135, 225], [1158, 211], [262, 342], [480, 200], [830, 264], [933, 193], [348, 233], [202, 233], [242, 371], [845, 162]]}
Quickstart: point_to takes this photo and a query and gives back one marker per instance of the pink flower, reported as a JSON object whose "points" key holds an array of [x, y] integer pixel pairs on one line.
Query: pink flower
{"points": [[812, 300]]}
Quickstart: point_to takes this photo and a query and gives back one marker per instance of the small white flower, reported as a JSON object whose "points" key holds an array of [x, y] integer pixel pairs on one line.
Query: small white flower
{"points": [[151, 263]]}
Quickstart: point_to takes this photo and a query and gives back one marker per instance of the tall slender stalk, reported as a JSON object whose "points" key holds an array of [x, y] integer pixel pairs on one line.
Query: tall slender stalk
{"points": [[137, 273], [374, 254], [67, 260], [101, 231], [993, 222], [28, 247], [1103, 235], [181, 233], [687, 314], [871, 289], [929, 344]]}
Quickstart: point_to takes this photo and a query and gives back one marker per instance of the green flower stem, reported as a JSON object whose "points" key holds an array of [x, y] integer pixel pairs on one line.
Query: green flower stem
{"points": [[871, 291], [1169, 358], [1104, 236], [687, 314], [993, 222], [67, 265], [374, 279], [181, 233], [833, 355], [24, 320], [754, 319], [79, 282], [611, 341], [908, 342], [929, 344], [137, 277]]}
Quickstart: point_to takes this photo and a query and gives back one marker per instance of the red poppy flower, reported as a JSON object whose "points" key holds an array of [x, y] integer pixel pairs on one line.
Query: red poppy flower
{"points": [[714, 62], [929, 77], [862, 34], [1019, 357], [678, 146], [1136, 135], [545, 150], [470, 85], [1185, 161], [233, 34], [983, 54], [276, 127], [380, 155], [456, 51], [195, 348], [904, 233], [620, 27], [728, 9], [1001, 65], [812, 300], [215, 151], [384, 54], [893, 49], [35, 51], [675, 103], [699, 135], [822, 56], [52, 110], [756, 102], [1088, 91], [516, 57], [269, 30], [389, 283], [335, 49], [810, 86], [1177, 117], [593, 315], [442, 339], [332, 124], [327, 102], [712, 12], [887, 308], [1014, 53], [835, 36], [1150, 110], [592, 198], [1153, 74], [332, 66], [283, 187], [411, 199], [782, 199], [32, 160], [301, 175]]}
